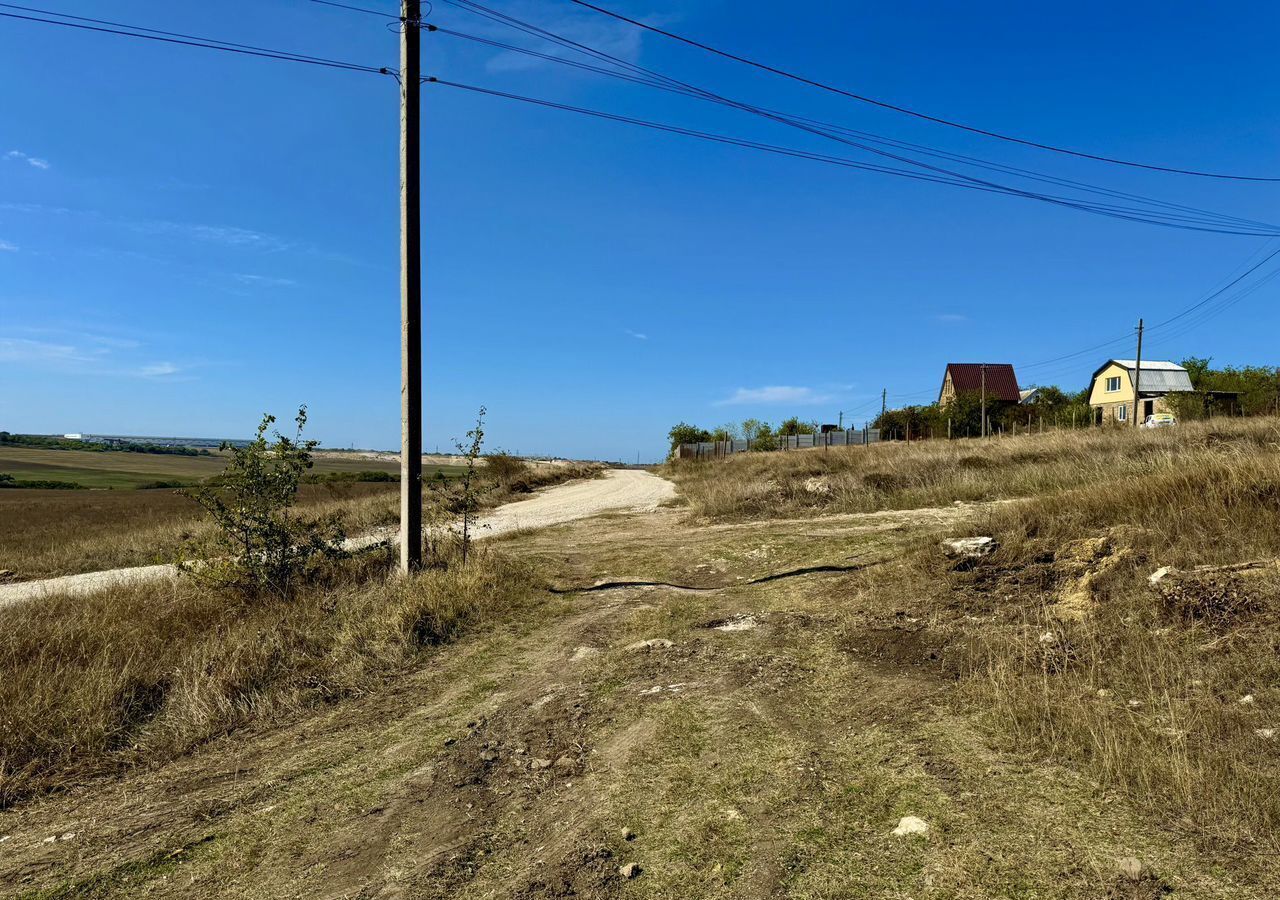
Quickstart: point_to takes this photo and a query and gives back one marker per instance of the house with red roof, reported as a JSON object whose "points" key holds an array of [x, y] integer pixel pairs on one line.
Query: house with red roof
{"points": [[996, 380]]}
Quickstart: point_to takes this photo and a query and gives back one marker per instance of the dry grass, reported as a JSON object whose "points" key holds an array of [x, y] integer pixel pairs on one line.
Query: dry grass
{"points": [[1144, 690], [67, 532], [934, 473], [93, 685], [1068, 651]]}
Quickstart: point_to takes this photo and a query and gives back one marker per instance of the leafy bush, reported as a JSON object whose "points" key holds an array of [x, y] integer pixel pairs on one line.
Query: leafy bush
{"points": [[265, 547], [8, 481], [505, 469]]}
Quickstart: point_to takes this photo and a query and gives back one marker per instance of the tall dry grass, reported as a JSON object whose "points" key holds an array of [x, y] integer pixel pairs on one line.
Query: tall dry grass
{"points": [[92, 685], [50, 533], [1168, 691], [935, 473], [1070, 652]]}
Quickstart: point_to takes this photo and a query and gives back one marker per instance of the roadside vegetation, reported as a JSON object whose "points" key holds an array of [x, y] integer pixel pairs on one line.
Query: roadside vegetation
{"points": [[62, 529], [274, 617], [1168, 691], [99, 684], [894, 475]]}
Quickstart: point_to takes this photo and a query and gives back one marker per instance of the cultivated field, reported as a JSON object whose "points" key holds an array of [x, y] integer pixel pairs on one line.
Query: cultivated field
{"points": [[124, 522], [739, 696]]}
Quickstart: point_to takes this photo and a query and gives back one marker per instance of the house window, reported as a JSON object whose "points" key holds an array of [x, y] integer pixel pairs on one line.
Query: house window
{"points": [[1123, 413], [1113, 384]]}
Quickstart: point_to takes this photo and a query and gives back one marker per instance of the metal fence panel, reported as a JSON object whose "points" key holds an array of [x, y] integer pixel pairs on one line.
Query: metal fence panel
{"points": [[719, 449]]}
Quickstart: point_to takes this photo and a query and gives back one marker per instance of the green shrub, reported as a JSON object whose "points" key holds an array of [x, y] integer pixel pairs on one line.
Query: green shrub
{"points": [[265, 546]]}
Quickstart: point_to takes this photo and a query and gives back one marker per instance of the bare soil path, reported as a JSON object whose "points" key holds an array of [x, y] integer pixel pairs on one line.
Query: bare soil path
{"points": [[616, 490], [758, 740]]}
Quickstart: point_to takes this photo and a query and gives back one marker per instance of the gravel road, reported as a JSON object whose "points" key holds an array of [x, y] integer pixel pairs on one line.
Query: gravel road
{"points": [[627, 490]]}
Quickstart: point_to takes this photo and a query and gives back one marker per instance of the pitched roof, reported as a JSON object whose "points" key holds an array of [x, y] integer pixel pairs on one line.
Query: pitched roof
{"points": [[1158, 376], [1002, 383], [1161, 365]]}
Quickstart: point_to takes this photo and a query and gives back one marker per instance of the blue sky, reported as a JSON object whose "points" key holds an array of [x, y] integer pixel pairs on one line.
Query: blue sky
{"points": [[189, 238]]}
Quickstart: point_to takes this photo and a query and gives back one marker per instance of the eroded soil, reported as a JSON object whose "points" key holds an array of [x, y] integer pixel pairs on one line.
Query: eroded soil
{"points": [[721, 732]]}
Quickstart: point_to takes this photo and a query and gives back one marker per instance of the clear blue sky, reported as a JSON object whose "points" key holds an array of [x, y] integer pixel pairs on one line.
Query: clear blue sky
{"points": [[189, 238]]}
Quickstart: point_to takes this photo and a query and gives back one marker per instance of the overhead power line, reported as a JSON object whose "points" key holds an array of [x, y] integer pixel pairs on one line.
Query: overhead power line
{"points": [[359, 9], [842, 161], [1200, 220], [169, 37], [657, 82], [884, 104], [1220, 291]]}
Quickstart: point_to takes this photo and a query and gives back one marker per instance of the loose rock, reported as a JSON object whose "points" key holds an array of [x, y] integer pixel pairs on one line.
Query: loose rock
{"points": [[540, 764], [650, 644], [630, 870], [911, 825], [1131, 868], [628, 834], [1159, 575], [969, 548]]}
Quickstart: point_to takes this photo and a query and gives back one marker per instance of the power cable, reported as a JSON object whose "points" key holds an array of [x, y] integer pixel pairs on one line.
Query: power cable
{"points": [[1175, 221], [916, 113], [1201, 216], [933, 175], [359, 9], [191, 41]]}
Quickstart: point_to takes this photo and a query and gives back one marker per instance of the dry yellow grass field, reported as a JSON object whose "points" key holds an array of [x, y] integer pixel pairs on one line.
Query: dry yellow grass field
{"points": [[742, 696]]}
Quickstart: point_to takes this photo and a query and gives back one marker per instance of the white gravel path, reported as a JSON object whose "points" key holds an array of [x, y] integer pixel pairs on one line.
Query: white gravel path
{"points": [[626, 490]]}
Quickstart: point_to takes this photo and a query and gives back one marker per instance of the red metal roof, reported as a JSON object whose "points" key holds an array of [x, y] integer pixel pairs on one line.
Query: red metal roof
{"points": [[1002, 383]]}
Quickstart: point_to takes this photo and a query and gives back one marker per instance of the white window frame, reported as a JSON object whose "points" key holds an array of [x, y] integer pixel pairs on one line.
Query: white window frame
{"points": [[1122, 414], [1116, 380]]}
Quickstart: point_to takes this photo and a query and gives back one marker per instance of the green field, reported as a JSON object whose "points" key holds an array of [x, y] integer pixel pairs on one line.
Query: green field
{"points": [[128, 471]]}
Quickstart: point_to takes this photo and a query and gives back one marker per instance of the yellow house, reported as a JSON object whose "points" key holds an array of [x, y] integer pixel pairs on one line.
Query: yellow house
{"points": [[1111, 395]]}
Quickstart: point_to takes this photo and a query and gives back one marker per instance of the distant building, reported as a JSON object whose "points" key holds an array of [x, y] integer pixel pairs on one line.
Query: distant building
{"points": [[1111, 393], [1030, 395], [74, 436], [969, 378]]}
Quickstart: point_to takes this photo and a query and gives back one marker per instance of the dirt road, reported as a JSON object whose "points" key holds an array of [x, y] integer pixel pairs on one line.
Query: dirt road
{"points": [[760, 737], [616, 490]]}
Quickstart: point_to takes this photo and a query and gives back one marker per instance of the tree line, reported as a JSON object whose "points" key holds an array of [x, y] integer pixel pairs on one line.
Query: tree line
{"points": [[1257, 388], [758, 434]]}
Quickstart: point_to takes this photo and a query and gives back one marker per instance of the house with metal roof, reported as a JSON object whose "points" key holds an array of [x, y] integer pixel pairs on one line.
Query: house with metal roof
{"points": [[995, 381], [1111, 392]]}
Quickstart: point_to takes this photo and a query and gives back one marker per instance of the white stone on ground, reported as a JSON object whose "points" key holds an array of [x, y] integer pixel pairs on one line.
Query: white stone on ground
{"points": [[969, 548], [909, 825]]}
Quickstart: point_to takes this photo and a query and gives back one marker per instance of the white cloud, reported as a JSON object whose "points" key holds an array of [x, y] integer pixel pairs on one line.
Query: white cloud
{"points": [[34, 161], [615, 38], [775, 394], [6, 247], [639, 336], [72, 352], [264, 280], [32, 351], [228, 235]]}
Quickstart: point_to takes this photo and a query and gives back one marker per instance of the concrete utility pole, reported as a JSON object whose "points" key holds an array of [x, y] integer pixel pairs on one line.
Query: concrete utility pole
{"points": [[883, 395], [842, 420], [1137, 376], [984, 399], [410, 293]]}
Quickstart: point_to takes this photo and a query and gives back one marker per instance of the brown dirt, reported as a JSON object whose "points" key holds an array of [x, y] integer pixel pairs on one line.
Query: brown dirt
{"points": [[753, 763]]}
